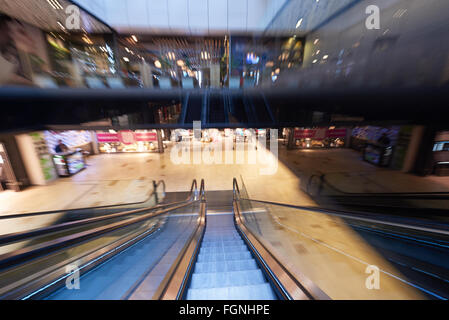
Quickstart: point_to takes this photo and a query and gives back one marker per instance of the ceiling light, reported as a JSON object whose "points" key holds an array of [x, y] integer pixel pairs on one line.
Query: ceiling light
{"points": [[325, 57], [60, 25], [157, 64], [55, 4], [298, 24], [126, 59], [316, 41], [87, 40], [134, 38], [315, 61]]}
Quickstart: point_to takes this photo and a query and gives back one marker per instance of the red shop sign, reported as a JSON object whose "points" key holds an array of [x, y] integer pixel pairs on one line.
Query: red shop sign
{"points": [[126, 137], [320, 134]]}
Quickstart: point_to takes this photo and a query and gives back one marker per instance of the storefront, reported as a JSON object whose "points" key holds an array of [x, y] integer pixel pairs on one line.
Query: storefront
{"points": [[377, 145], [441, 154], [6, 172], [13, 175], [128, 141], [36, 157], [319, 138]]}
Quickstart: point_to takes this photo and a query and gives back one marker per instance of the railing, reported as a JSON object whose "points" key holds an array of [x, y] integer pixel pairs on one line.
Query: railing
{"points": [[175, 283], [153, 198], [20, 236], [87, 246], [328, 250], [426, 204], [287, 284]]}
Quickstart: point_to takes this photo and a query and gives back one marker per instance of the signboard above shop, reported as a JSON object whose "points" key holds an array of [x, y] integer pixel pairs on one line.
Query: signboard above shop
{"points": [[320, 133], [127, 141], [126, 137]]}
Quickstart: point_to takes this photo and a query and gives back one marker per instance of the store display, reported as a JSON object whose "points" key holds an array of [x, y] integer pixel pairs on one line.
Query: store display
{"points": [[127, 141], [378, 155], [69, 163], [320, 138]]}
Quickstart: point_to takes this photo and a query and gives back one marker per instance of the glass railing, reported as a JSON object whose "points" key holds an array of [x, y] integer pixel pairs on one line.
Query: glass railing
{"points": [[30, 278], [418, 197], [347, 257], [46, 226]]}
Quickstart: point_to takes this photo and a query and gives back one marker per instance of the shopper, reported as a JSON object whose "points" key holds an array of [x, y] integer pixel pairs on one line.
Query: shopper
{"points": [[61, 147], [384, 140]]}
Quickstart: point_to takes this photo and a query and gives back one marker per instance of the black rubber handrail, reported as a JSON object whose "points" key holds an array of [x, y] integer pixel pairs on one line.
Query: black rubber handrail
{"points": [[174, 284], [20, 236], [405, 195], [112, 206]]}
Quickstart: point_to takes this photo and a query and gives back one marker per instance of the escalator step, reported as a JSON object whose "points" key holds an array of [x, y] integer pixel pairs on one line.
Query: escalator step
{"points": [[230, 243], [252, 292], [227, 279], [222, 257], [223, 249], [220, 266]]}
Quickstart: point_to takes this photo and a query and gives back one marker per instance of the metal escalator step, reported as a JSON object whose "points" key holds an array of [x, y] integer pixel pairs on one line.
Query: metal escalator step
{"points": [[210, 243], [225, 266], [224, 249], [202, 257], [221, 238], [221, 234], [252, 292], [226, 279]]}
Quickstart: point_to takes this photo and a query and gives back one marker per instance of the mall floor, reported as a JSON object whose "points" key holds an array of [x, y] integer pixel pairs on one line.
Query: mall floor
{"points": [[321, 246]]}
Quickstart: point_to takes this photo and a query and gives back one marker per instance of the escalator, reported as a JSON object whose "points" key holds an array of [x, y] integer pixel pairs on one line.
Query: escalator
{"points": [[216, 110], [238, 110], [34, 263], [260, 110], [227, 261], [182, 250], [193, 108], [222, 245], [225, 268]]}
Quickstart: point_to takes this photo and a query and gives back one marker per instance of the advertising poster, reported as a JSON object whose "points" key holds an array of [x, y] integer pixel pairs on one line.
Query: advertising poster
{"points": [[45, 159]]}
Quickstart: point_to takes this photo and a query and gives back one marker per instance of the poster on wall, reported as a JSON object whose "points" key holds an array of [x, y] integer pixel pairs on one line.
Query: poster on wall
{"points": [[22, 52], [71, 138], [45, 159]]}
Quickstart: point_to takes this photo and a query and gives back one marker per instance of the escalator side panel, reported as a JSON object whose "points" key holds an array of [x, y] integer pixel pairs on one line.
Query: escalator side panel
{"points": [[194, 108]]}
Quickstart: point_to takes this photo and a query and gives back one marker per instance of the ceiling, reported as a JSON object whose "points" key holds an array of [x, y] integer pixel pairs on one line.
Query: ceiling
{"points": [[185, 17], [182, 17], [46, 14]]}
